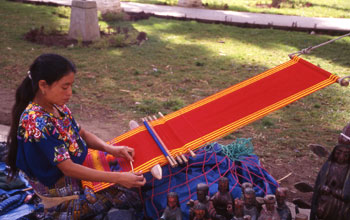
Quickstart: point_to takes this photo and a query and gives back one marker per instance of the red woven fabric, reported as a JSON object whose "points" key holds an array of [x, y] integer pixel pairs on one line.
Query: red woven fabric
{"points": [[224, 112]]}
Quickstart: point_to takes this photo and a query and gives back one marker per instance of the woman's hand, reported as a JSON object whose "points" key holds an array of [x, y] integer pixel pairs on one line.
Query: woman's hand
{"points": [[130, 180], [121, 151]]}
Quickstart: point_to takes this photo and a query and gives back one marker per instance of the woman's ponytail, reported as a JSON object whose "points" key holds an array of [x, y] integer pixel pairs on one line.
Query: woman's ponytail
{"points": [[24, 94]]}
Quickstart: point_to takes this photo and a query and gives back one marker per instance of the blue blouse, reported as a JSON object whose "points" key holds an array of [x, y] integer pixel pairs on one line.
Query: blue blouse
{"points": [[45, 140]]}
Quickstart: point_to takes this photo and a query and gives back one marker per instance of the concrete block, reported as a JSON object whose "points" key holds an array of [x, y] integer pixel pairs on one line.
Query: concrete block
{"points": [[111, 6], [84, 21]]}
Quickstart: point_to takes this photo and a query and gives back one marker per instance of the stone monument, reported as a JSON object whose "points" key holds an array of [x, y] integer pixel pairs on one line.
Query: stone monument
{"points": [[84, 21]]}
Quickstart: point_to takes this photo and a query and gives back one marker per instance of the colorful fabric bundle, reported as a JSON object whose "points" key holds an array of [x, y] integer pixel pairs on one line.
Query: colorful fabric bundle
{"points": [[97, 160]]}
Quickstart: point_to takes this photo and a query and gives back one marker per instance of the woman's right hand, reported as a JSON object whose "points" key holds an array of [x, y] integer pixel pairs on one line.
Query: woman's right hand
{"points": [[130, 180]]}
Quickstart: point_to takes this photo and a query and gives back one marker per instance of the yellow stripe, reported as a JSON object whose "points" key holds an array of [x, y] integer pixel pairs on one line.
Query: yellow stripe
{"points": [[230, 90], [233, 126], [237, 124], [259, 114], [208, 99]]}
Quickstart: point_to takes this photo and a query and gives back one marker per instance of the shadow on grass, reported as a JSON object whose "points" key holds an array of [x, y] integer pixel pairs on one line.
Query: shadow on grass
{"points": [[267, 39]]}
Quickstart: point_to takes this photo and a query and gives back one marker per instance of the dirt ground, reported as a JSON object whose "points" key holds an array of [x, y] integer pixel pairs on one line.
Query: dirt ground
{"points": [[107, 126]]}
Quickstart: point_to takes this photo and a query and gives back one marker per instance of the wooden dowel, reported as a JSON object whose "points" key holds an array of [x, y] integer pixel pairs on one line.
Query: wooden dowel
{"points": [[160, 143], [192, 153], [160, 140], [179, 160], [132, 167], [184, 158]]}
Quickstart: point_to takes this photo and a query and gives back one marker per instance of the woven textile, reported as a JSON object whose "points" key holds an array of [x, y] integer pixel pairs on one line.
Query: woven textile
{"points": [[222, 113]]}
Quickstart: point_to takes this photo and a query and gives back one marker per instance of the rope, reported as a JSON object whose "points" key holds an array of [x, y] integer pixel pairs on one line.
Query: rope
{"points": [[309, 49], [240, 147]]}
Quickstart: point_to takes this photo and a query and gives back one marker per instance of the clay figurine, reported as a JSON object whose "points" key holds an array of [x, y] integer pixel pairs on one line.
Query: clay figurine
{"points": [[238, 210], [331, 197], [200, 212], [282, 208], [250, 203], [221, 203], [202, 197], [172, 211], [244, 186], [269, 211]]}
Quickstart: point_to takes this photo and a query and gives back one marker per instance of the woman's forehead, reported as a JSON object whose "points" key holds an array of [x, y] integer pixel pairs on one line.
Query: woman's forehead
{"points": [[69, 78]]}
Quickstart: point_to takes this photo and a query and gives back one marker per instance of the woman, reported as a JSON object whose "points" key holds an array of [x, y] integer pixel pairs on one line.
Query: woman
{"points": [[49, 146]]}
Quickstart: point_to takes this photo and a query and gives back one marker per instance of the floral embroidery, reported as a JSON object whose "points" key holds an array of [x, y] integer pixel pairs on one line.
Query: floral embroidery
{"points": [[61, 153], [37, 125]]}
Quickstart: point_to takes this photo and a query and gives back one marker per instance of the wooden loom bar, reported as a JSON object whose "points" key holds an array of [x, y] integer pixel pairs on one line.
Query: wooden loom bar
{"points": [[160, 143]]}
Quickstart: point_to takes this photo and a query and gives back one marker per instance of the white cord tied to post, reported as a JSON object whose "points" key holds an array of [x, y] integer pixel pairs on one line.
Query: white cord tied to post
{"points": [[343, 81], [309, 49]]}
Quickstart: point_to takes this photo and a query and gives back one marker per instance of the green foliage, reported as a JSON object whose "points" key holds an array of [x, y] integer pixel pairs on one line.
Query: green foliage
{"points": [[113, 16], [62, 12], [266, 122], [149, 106], [174, 104], [119, 40]]}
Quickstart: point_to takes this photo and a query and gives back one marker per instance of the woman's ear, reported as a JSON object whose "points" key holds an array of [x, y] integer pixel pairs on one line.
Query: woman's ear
{"points": [[43, 86]]}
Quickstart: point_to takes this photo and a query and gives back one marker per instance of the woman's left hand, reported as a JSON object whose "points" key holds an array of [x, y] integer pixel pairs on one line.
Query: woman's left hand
{"points": [[121, 151]]}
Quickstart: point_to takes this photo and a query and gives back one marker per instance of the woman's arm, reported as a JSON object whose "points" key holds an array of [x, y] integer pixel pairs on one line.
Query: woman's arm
{"points": [[96, 143], [126, 179]]}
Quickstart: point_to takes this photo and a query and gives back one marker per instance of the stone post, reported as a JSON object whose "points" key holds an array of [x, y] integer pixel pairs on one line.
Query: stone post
{"points": [[84, 21], [112, 6], [190, 3]]}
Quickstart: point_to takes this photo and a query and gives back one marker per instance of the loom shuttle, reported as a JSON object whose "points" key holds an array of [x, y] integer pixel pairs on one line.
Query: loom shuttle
{"points": [[157, 172]]}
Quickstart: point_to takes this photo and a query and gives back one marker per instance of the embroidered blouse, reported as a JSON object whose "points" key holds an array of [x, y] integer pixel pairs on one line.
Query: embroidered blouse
{"points": [[45, 140]]}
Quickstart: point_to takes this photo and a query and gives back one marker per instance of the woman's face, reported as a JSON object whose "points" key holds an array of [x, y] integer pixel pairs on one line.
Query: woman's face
{"points": [[60, 91]]}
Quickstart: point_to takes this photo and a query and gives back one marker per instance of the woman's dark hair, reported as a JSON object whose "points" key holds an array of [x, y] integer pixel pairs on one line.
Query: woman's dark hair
{"points": [[48, 67]]}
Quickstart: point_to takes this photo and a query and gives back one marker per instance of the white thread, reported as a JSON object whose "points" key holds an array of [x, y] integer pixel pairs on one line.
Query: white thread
{"points": [[345, 136], [29, 75]]}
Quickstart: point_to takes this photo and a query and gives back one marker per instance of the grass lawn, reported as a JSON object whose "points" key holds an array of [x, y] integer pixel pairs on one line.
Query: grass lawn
{"points": [[307, 8], [183, 62]]}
